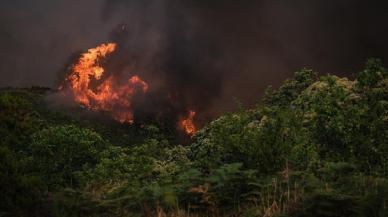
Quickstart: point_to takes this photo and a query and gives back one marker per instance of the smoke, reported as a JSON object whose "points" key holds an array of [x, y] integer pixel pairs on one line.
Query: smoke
{"points": [[37, 37], [196, 54], [209, 52], [159, 41]]}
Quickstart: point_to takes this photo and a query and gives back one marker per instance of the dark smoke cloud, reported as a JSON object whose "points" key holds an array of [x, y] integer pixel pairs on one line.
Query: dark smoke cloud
{"points": [[202, 53], [37, 37], [263, 42], [213, 51], [158, 40]]}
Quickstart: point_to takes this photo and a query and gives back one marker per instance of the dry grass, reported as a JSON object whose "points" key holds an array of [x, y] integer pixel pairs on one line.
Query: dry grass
{"points": [[281, 196]]}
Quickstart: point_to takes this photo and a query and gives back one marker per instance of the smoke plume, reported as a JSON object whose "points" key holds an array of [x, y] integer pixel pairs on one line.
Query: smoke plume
{"points": [[195, 54]]}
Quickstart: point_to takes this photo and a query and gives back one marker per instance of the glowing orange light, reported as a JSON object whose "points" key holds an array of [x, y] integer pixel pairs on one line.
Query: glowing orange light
{"points": [[187, 124], [109, 95]]}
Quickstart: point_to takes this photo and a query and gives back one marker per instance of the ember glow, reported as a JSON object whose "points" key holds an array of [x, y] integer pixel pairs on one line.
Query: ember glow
{"points": [[110, 94], [187, 124]]}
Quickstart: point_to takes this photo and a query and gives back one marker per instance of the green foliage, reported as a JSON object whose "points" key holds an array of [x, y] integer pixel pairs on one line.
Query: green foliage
{"points": [[373, 87], [372, 75], [331, 114], [62, 153], [18, 119], [260, 140], [317, 146], [20, 193], [290, 89]]}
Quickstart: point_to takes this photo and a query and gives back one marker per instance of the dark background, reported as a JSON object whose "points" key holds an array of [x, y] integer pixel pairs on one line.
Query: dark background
{"points": [[209, 52]]}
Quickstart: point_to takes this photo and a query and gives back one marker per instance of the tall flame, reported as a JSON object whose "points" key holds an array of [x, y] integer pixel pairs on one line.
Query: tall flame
{"points": [[187, 124], [95, 90], [109, 95]]}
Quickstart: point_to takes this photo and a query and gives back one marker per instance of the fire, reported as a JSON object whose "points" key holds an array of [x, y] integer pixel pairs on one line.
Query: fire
{"points": [[91, 87], [187, 124], [109, 94]]}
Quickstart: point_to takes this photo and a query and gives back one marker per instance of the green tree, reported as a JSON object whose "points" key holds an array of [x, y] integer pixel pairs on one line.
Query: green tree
{"points": [[290, 89], [372, 86], [331, 113], [21, 193], [62, 153], [18, 119], [372, 75]]}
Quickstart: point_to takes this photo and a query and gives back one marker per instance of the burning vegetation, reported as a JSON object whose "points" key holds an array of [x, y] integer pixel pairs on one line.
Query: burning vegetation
{"points": [[187, 124], [109, 94], [91, 86], [304, 146]]}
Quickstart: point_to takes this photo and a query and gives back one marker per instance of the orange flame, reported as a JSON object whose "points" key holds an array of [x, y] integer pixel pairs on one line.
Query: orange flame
{"points": [[109, 95], [187, 124]]}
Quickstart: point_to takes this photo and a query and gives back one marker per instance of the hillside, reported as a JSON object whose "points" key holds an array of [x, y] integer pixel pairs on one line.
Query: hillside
{"points": [[317, 146]]}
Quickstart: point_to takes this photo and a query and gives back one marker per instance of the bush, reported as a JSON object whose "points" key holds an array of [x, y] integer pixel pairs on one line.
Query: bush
{"points": [[61, 154], [21, 194]]}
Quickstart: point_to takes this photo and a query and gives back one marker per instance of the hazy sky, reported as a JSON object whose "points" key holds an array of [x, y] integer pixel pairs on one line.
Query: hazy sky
{"points": [[238, 47]]}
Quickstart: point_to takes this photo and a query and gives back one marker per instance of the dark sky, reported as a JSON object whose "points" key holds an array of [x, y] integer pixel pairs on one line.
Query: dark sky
{"points": [[225, 48]]}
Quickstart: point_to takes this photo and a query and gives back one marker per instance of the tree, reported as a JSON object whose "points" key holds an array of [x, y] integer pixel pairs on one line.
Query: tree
{"points": [[372, 86], [21, 194], [372, 75], [290, 89], [62, 153], [330, 112]]}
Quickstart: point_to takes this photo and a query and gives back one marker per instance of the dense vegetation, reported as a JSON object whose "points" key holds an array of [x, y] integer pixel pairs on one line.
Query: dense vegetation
{"points": [[317, 146]]}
